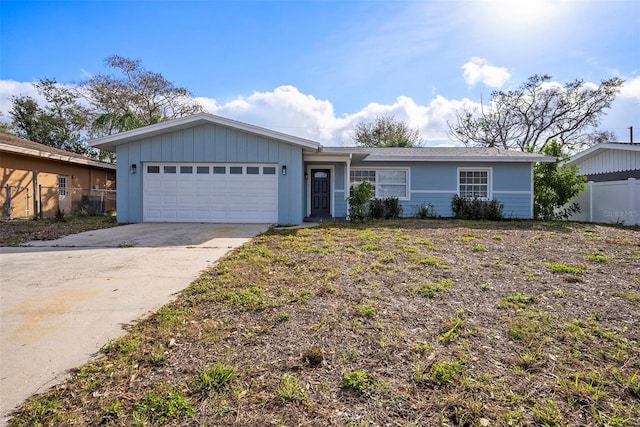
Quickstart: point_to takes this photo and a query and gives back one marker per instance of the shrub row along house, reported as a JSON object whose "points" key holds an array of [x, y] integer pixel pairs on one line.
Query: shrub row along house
{"points": [[205, 168], [37, 178]]}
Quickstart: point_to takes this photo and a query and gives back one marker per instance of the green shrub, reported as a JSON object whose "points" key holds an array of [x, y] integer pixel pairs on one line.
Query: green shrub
{"points": [[392, 208], [376, 208], [359, 198], [476, 209], [426, 211], [388, 208]]}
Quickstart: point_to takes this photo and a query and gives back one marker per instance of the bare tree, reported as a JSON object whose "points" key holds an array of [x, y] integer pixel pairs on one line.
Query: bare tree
{"points": [[385, 131], [137, 97], [536, 113]]}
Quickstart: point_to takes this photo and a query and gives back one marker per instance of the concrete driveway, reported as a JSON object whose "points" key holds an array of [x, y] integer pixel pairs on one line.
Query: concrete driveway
{"points": [[61, 300]]}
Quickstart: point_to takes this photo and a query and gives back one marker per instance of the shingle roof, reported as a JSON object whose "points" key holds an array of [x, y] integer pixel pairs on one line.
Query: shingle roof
{"points": [[13, 143], [438, 154]]}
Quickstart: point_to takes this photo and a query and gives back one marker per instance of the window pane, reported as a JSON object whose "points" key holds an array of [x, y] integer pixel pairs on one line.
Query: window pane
{"points": [[169, 169], [153, 169], [252, 170], [392, 177], [236, 170], [474, 184], [392, 183], [186, 169], [202, 169], [358, 176], [219, 170], [268, 170]]}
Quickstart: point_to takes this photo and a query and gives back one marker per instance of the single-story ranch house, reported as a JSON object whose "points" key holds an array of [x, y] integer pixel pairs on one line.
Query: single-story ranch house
{"points": [[205, 168]]}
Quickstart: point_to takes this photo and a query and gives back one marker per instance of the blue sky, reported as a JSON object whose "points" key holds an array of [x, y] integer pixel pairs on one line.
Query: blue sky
{"points": [[316, 68]]}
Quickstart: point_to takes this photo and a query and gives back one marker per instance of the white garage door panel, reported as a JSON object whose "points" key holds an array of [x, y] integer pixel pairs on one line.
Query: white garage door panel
{"points": [[209, 197]]}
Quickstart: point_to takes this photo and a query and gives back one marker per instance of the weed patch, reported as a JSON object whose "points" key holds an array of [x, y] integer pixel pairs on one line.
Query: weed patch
{"points": [[432, 290], [359, 382]]}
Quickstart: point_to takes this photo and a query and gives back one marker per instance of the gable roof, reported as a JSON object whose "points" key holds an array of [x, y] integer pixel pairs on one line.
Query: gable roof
{"points": [[13, 144], [438, 154], [597, 148], [111, 141]]}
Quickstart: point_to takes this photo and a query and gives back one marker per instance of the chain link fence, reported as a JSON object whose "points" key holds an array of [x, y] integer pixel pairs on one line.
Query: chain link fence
{"points": [[19, 202]]}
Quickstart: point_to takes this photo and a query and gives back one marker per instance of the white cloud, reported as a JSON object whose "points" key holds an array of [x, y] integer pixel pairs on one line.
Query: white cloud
{"points": [[478, 70], [287, 110], [9, 88], [290, 111], [624, 112], [631, 89]]}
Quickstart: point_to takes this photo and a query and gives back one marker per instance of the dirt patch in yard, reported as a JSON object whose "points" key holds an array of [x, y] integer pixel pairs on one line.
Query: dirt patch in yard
{"points": [[399, 323], [17, 232]]}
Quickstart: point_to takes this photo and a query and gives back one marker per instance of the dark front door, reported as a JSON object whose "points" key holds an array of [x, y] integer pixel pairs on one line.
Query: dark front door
{"points": [[320, 192]]}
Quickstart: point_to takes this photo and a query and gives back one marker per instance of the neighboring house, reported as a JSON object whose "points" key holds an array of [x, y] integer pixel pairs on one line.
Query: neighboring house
{"points": [[613, 183], [65, 181], [205, 168]]}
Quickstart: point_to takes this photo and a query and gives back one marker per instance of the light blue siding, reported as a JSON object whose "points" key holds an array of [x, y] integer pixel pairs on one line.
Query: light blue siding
{"points": [[436, 183], [214, 144]]}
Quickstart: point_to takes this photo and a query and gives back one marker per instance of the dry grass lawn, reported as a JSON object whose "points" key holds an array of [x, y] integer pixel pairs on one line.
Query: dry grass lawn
{"points": [[399, 323], [17, 232]]}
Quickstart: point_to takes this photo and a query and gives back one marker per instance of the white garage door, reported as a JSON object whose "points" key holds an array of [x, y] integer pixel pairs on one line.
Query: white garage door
{"points": [[208, 192]]}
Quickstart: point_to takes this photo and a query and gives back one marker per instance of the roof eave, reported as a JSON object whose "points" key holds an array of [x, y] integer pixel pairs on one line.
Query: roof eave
{"points": [[54, 156], [594, 149], [470, 159]]}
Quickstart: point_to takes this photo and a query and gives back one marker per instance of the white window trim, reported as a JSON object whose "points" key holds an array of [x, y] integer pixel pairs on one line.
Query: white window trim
{"points": [[376, 169], [489, 180]]}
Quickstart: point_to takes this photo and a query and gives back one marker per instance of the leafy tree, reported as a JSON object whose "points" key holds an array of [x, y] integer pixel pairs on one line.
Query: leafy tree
{"points": [[385, 131], [59, 123], [531, 116], [555, 184], [133, 98]]}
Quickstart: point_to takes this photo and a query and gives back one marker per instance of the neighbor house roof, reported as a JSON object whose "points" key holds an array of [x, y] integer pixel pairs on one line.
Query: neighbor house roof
{"points": [[111, 141], [440, 154], [597, 148], [13, 144]]}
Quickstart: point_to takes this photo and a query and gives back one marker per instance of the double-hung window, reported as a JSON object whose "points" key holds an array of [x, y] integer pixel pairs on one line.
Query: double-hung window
{"points": [[474, 183], [386, 182]]}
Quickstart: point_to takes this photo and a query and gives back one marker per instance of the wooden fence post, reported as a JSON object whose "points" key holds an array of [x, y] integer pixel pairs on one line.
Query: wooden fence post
{"points": [[35, 191], [8, 202]]}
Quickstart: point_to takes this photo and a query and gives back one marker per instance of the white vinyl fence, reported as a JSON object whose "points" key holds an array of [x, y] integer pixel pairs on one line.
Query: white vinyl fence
{"points": [[610, 202]]}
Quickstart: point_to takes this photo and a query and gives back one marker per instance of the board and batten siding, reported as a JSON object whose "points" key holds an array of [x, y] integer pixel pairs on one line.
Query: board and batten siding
{"points": [[609, 160], [211, 144], [436, 183]]}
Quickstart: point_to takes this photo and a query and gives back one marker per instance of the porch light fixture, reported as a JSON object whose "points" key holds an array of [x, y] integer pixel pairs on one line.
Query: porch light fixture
{"points": [[284, 169], [133, 168]]}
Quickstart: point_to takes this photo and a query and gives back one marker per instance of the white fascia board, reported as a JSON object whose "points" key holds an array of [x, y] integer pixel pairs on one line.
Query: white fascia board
{"points": [[55, 156], [111, 141], [326, 157]]}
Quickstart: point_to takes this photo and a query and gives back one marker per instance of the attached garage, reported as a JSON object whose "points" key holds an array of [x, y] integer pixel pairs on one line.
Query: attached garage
{"points": [[210, 192], [206, 168]]}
